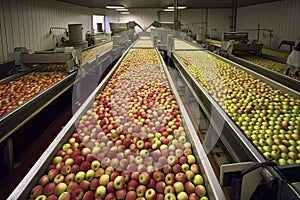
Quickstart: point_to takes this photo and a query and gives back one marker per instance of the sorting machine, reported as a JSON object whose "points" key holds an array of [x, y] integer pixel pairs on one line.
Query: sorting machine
{"points": [[235, 42], [69, 56]]}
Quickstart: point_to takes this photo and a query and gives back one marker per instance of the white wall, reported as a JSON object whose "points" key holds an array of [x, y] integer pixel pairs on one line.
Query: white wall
{"points": [[280, 16], [27, 23]]}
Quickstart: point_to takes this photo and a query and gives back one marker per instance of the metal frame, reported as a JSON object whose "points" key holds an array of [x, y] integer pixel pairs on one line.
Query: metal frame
{"points": [[213, 182], [280, 78]]}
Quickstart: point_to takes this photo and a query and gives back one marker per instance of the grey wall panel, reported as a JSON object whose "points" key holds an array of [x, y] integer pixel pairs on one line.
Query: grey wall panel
{"points": [[218, 22], [280, 16], [15, 27], [27, 23], [2, 32], [8, 25], [194, 20]]}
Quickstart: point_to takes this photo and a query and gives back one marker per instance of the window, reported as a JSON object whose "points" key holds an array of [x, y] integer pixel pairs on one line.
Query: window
{"points": [[98, 23]]}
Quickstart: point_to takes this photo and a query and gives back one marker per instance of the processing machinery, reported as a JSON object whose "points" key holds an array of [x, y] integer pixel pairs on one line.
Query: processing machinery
{"points": [[234, 42]]}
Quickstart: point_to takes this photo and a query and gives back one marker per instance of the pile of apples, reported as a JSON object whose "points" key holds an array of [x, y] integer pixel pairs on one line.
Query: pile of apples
{"points": [[16, 92], [270, 64], [179, 44], [90, 54], [143, 43], [274, 53], [269, 117], [130, 144], [216, 43], [53, 68]]}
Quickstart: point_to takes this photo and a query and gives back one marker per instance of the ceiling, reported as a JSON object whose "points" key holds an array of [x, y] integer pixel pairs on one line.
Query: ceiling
{"points": [[165, 3]]}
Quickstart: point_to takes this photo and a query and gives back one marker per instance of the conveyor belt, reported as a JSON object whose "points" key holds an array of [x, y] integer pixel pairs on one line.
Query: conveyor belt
{"points": [[25, 186], [239, 146], [18, 116], [91, 53], [30, 108], [278, 77], [211, 102], [232, 137]]}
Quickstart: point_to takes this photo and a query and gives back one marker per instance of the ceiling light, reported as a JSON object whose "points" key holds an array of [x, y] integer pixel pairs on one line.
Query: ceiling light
{"points": [[168, 10], [179, 7], [122, 9], [115, 7], [124, 13]]}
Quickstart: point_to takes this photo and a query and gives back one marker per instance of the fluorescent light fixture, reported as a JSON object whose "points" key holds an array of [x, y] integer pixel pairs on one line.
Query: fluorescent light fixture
{"points": [[121, 9], [124, 13], [168, 10], [115, 7], [179, 7]]}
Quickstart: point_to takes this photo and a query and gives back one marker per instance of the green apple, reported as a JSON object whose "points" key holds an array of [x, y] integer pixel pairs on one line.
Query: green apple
{"points": [[89, 175], [104, 179], [66, 147], [79, 176], [170, 196], [138, 160], [292, 149], [100, 192], [144, 153], [283, 148], [267, 148], [268, 156], [185, 167], [95, 165], [59, 178], [191, 159], [150, 194], [282, 161], [57, 159], [171, 160], [41, 197], [275, 154], [60, 188], [203, 198], [198, 179], [182, 196], [178, 187], [119, 182], [290, 161]]}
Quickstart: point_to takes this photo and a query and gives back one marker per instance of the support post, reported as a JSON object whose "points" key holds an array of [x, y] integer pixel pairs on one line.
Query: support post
{"points": [[233, 17], [175, 14]]}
